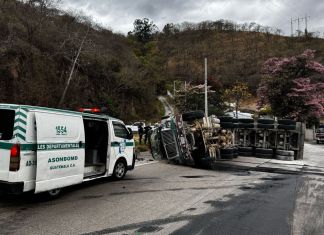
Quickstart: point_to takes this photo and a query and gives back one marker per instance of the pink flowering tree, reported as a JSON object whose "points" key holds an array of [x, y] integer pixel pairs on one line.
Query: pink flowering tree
{"points": [[288, 87]]}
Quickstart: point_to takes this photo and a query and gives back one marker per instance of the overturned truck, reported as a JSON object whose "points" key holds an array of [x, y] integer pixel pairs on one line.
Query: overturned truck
{"points": [[191, 139]]}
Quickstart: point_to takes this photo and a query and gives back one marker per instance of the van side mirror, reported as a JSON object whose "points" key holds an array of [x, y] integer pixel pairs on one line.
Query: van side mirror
{"points": [[130, 133]]}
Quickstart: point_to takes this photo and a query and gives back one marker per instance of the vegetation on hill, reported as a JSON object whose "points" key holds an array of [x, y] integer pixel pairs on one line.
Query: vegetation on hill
{"points": [[39, 44]]}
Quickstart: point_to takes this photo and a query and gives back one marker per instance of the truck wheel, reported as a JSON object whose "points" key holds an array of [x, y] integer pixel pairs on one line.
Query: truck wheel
{"points": [[245, 120], [265, 121], [226, 125], [245, 125], [284, 158], [54, 193], [287, 127], [119, 170], [285, 153], [191, 116], [286, 122], [265, 126], [225, 119]]}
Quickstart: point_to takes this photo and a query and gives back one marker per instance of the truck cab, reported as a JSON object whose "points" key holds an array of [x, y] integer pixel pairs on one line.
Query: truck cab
{"points": [[319, 134]]}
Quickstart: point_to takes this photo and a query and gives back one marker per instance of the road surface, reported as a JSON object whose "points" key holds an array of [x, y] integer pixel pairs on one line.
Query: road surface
{"points": [[160, 198]]}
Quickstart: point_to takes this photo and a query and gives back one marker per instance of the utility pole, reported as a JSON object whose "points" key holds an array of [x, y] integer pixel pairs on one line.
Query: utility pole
{"points": [[185, 90], [299, 20], [174, 88], [206, 94], [72, 69], [291, 27], [306, 18]]}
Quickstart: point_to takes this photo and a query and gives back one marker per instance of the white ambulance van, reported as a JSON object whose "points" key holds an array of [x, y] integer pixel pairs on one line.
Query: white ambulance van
{"points": [[45, 150]]}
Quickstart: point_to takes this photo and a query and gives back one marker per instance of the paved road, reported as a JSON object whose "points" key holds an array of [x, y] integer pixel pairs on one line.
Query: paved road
{"points": [[161, 198]]}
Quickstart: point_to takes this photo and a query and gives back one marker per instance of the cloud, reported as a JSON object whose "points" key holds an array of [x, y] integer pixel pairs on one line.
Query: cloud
{"points": [[120, 14]]}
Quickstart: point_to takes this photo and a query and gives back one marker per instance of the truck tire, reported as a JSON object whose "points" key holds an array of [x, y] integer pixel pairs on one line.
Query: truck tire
{"points": [[286, 122], [235, 120], [245, 125], [119, 170], [263, 155], [226, 125], [226, 151], [246, 154], [245, 149], [245, 120], [287, 127], [193, 115], [227, 156], [263, 151], [265, 126], [284, 158], [225, 119], [285, 153], [265, 121]]}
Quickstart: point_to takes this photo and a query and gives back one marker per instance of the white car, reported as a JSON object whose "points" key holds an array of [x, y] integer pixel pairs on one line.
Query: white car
{"points": [[135, 125]]}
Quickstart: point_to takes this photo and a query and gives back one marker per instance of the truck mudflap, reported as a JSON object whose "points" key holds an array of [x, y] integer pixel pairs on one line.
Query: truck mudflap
{"points": [[11, 187]]}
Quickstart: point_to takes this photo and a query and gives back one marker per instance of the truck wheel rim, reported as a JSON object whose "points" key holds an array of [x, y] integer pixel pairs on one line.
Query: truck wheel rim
{"points": [[120, 169]]}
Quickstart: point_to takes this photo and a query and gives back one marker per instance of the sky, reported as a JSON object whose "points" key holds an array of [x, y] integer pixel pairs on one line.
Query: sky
{"points": [[119, 15]]}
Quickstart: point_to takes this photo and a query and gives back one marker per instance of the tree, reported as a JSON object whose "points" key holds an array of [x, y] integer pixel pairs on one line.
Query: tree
{"points": [[237, 93], [288, 87], [144, 30], [191, 98]]}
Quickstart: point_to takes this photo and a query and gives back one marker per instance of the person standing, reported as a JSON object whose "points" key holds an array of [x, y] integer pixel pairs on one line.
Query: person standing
{"points": [[146, 132], [140, 132]]}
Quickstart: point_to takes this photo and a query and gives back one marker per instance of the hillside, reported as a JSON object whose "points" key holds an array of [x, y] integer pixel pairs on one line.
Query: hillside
{"points": [[38, 45], [231, 55]]}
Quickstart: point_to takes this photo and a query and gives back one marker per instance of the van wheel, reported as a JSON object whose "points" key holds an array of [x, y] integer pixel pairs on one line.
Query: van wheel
{"points": [[54, 193], [119, 170]]}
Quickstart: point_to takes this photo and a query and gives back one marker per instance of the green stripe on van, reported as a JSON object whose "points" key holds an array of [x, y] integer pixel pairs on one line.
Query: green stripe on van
{"points": [[20, 136], [24, 109], [5, 145], [21, 114], [19, 120], [20, 128]]}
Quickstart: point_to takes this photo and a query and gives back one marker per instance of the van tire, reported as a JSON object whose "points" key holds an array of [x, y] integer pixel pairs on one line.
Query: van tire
{"points": [[119, 170], [54, 193]]}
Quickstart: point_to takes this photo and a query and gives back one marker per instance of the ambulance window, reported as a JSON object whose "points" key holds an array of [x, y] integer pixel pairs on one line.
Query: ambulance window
{"points": [[120, 130], [7, 118]]}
